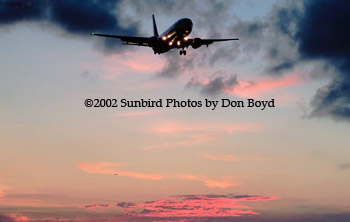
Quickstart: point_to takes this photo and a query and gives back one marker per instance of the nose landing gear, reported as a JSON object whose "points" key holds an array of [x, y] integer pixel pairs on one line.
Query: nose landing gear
{"points": [[182, 52]]}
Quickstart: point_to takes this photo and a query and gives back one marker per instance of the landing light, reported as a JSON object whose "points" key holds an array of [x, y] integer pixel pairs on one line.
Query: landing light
{"points": [[186, 38], [178, 43], [164, 38], [170, 43]]}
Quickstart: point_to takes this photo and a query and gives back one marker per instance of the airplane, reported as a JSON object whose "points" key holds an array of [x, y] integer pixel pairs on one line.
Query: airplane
{"points": [[175, 37]]}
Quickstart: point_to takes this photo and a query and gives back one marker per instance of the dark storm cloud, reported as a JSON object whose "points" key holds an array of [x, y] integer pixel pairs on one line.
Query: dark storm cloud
{"points": [[324, 33], [299, 32], [77, 17], [216, 84]]}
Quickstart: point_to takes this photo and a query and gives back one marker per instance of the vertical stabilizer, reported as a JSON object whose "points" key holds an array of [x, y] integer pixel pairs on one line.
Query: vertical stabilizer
{"points": [[155, 30]]}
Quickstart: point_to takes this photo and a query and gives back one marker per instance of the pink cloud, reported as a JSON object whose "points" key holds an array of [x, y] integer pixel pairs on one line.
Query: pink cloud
{"points": [[221, 183], [228, 158], [1, 193], [195, 206], [141, 113], [127, 62], [17, 217], [195, 134], [220, 157], [191, 140], [110, 168], [250, 88], [178, 127]]}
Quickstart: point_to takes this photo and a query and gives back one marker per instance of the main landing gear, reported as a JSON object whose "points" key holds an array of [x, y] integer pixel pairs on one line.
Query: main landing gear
{"points": [[182, 52]]}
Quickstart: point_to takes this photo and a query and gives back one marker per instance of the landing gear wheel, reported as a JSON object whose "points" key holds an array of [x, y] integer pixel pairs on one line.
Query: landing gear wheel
{"points": [[180, 52], [184, 52]]}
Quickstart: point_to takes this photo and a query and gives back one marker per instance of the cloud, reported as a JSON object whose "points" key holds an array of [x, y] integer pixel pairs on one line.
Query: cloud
{"points": [[18, 217], [175, 65], [185, 134], [173, 128], [242, 88], [192, 206], [5, 218], [140, 113], [77, 17], [224, 182], [215, 85], [344, 166], [296, 33], [1, 192], [328, 39], [259, 87], [228, 157], [97, 206], [110, 168], [190, 140]]}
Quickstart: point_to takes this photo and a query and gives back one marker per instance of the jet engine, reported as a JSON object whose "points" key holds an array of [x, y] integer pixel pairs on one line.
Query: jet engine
{"points": [[197, 42]]}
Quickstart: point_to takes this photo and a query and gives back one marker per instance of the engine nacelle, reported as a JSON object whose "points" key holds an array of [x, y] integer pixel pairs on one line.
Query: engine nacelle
{"points": [[153, 41], [197, 42]]}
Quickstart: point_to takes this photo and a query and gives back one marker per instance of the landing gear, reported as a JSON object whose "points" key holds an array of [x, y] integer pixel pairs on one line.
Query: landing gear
{"points": [[182, 52]]}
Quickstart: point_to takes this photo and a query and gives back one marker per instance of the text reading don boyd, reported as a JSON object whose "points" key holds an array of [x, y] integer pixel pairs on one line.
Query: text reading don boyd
{"points": [[213, 104]]}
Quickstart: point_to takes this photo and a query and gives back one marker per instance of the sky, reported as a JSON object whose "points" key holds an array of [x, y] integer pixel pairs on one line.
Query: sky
{"points": [[58, 158]]}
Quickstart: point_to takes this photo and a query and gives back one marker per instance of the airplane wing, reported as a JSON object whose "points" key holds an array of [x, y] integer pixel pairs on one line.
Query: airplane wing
{"points": [[210, 41], [129, 40], [198, 42]]}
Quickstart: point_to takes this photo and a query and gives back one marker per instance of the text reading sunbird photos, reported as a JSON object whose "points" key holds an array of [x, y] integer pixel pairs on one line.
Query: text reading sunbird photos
{"points": [[174, 103]]}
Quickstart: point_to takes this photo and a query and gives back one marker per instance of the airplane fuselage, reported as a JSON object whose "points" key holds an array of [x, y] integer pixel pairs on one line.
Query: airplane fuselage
{"points": [[174, 36]]}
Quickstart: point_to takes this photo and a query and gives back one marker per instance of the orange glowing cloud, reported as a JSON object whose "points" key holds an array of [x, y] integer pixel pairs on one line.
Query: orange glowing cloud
{"points": [[221, 183], [195, 206], [110, 168]]}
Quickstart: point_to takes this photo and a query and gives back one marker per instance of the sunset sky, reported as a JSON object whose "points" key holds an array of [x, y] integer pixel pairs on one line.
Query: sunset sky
{"points": [[58, 158]]}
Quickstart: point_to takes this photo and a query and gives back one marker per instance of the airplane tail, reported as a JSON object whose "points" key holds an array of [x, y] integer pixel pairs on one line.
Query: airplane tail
{"points": [[155, 30]]}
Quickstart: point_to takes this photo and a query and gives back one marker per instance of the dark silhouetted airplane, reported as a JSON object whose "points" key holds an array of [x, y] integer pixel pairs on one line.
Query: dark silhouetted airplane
{"points": [[175, 37]]}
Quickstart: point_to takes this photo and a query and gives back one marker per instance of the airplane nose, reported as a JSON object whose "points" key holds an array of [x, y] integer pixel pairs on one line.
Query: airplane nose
{"points": [[189, 21]]}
